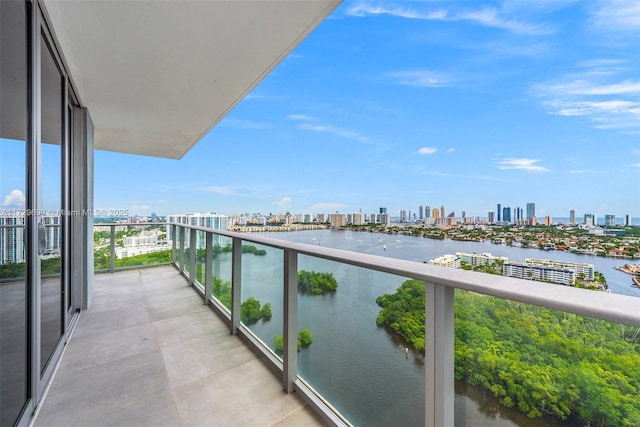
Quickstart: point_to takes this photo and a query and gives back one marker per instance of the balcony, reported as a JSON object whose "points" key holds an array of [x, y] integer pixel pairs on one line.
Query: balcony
{"points": [[149, 352], [183, 366]]}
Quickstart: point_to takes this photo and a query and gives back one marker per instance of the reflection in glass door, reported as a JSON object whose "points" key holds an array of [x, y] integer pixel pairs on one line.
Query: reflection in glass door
{"points": [[51, 203], [14, 347]]}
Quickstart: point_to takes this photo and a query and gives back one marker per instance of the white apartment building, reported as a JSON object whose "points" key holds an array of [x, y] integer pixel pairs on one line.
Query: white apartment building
{"points": [[337, 220], [206, 220], [480, 259], [528, 272], [579, 268], [451, 261], [11, 239]]}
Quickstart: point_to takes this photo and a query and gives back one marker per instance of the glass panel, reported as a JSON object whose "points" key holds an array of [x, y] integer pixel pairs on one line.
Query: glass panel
{"points": [[262, 292], [222, 269], [14, 352], [51, 203], [140, 244], [367, 371], [200, 256], [535, 366]]}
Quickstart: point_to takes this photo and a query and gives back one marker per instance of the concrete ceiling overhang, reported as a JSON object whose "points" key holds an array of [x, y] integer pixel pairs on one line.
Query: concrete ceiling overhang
{"points": [[156, 76]]}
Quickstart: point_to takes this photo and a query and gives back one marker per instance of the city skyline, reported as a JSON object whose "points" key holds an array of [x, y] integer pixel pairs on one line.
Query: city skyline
{"points": [[461, 104]]}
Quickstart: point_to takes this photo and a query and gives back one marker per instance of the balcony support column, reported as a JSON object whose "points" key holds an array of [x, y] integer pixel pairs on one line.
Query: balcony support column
{"points": [[192, 256], [208, 267], [181, 254], [439, 367], [112, 249], [290, 324], [236, 283], [174, 238]]}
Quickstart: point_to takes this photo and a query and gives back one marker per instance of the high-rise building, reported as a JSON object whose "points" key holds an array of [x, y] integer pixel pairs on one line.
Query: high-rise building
{"points": [[547, 220], [442, 211], [572, 216], [531, 210], [383, 210], [589, 219], [519, 213], [435, 213], [499, 210], [403, 215], [337, 220], [491, 217], [207, 220], [421, 212], [506, 214], [427, 211], [627, 220], [464, 214], [610, 220]]}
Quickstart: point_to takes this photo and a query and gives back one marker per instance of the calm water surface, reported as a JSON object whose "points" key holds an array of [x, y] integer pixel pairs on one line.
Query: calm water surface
{"points": [[358, 367]]}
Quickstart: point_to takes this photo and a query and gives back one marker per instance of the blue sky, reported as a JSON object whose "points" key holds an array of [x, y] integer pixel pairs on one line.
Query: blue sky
{"points": [[401, 104]]}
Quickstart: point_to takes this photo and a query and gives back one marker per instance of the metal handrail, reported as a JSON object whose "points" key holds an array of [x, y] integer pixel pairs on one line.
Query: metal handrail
{"points": [[600, 305]]}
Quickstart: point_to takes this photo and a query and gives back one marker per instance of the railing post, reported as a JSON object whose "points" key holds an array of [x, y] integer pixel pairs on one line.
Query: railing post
{"points": [[208, 268], [181, 254], [236, 275], [439, 367], [112, 249], [173, 229], [192, 256], [290, 324]]}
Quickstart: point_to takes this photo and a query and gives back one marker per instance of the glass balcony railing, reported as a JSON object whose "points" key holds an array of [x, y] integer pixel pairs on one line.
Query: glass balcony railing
{"points": [[371, 340], [121, 246]]}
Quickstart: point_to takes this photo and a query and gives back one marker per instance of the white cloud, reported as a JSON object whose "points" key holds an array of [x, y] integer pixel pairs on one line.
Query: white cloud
{"points": [[15, 199], [618, 15], [489, 17], [427, 150], [226, 191], [636, 165], [327, 207], [421, 78], [451, 150], [345, 133], [524, 164], [598, 92], [366, 9], [299, 117], [283, 203]]}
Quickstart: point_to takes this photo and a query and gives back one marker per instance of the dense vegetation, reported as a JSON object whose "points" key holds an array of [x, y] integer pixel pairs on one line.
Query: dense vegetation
{"points": [[251, 312], [304, 340], [316, 283], [543, 362]]}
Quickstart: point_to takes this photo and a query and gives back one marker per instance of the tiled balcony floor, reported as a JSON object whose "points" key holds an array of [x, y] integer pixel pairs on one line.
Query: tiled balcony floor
{"points": [[149, 353]]}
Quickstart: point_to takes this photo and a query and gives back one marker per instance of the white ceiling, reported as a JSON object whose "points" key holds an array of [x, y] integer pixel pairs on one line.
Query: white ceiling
{"points": [[156, 76]]}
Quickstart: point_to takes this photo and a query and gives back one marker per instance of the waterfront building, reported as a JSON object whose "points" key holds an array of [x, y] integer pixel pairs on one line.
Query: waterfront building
{"points": [[321, 218], [547, 220], [610, 220], [403, 215], [442, 211], [427, 211], [421, 213], [531, 210], [206, 220], [585, 269], [451, 261], [337, 220], [385, 218], [475, 259], [356, 219], [518, 213], [572, 216], [491, 217], [550, 274], [499, 210]]}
